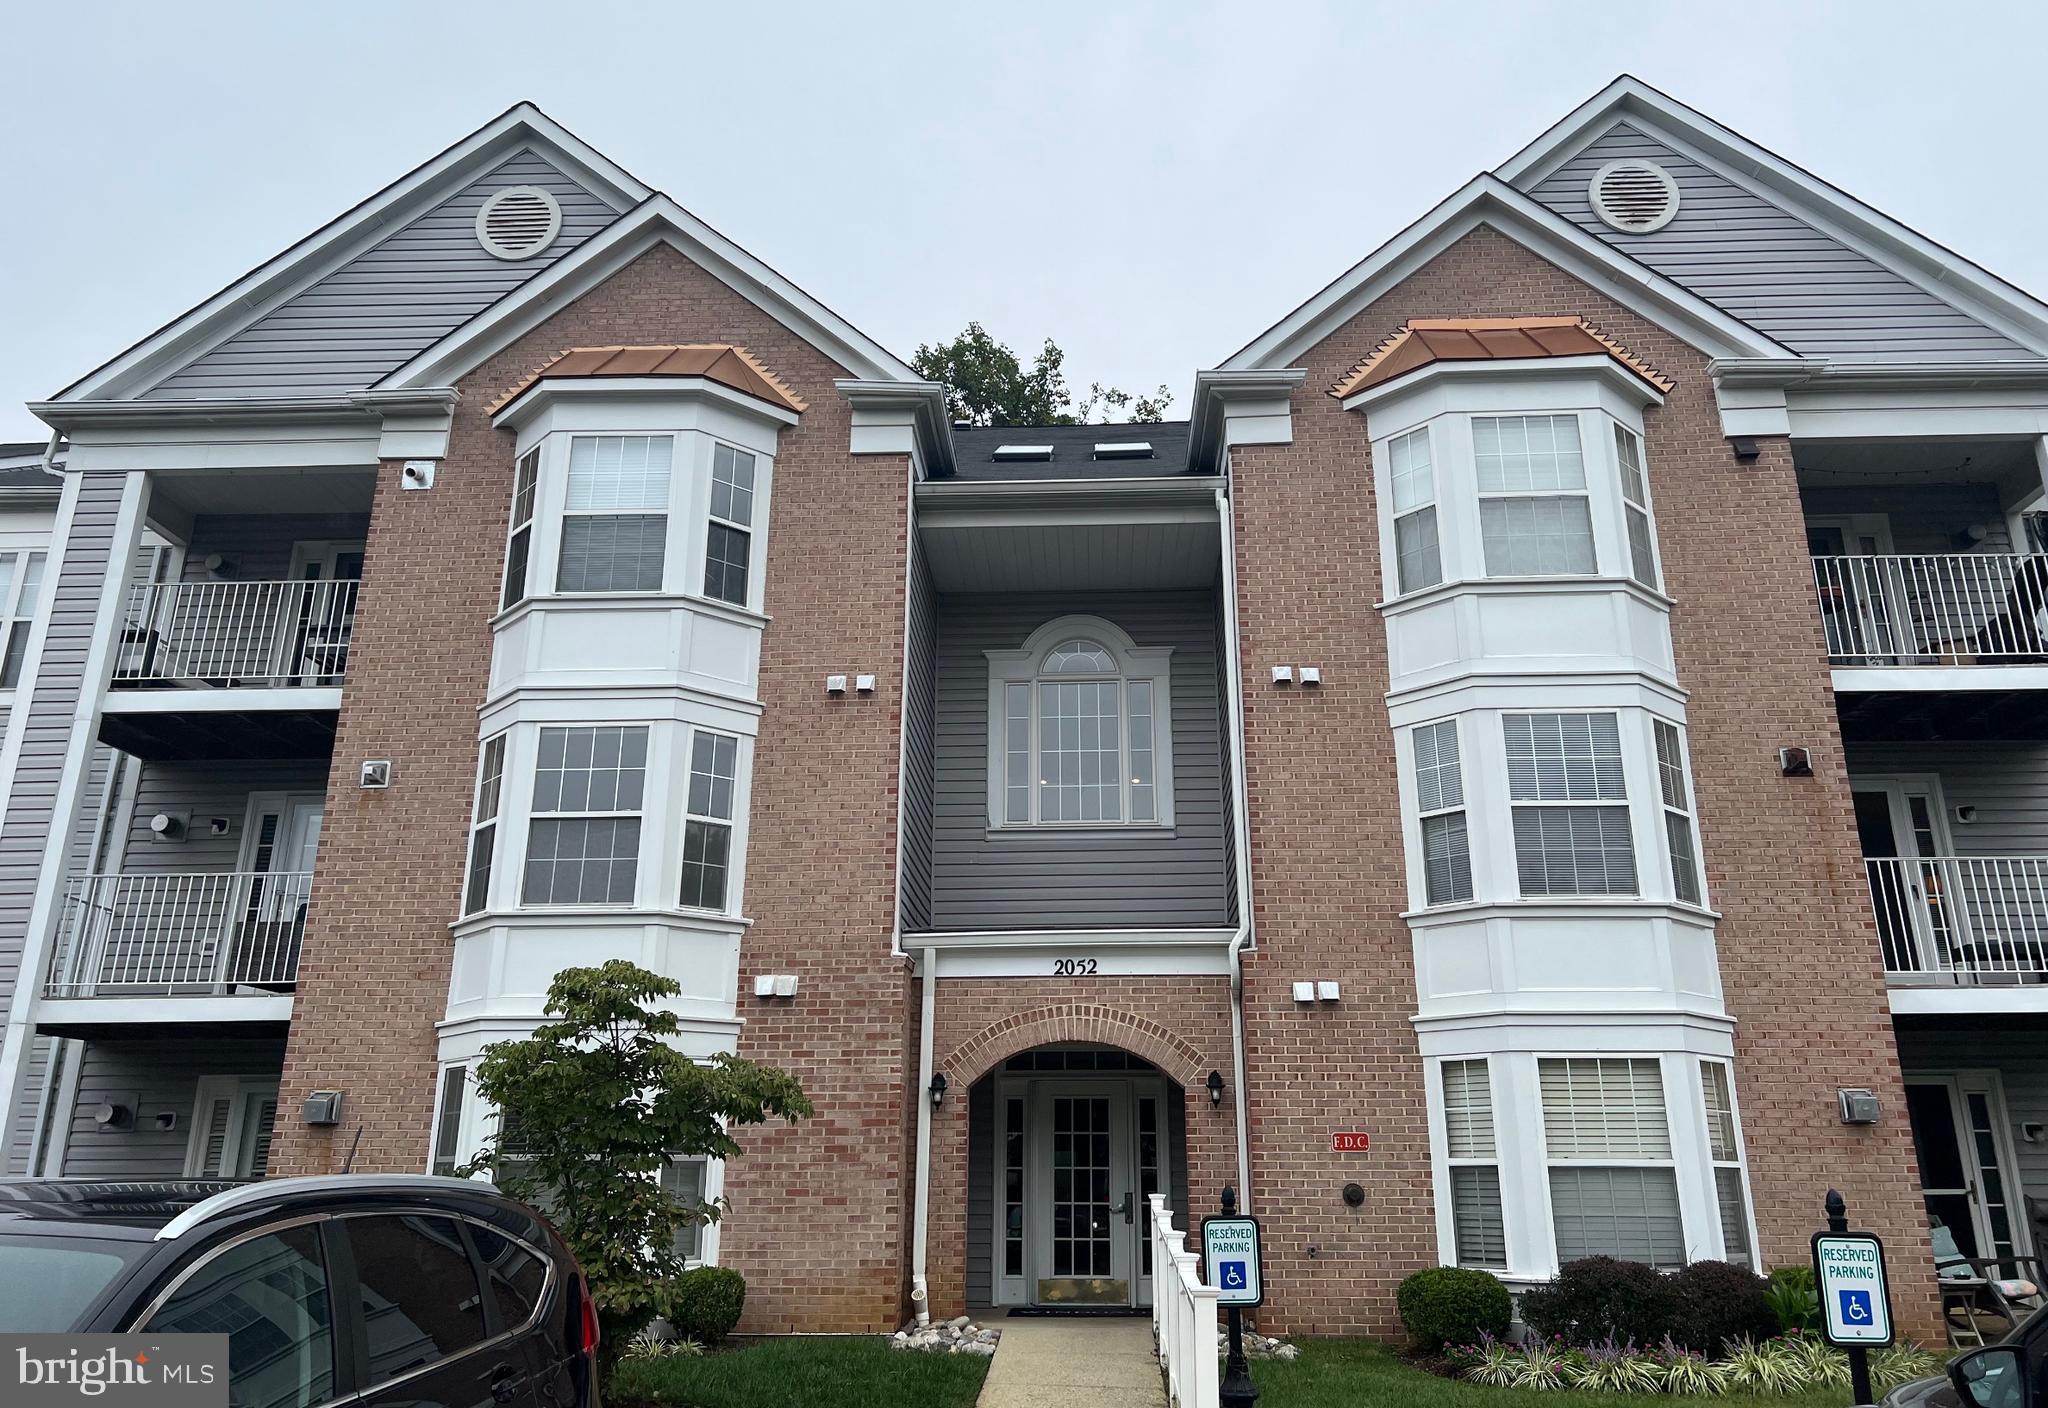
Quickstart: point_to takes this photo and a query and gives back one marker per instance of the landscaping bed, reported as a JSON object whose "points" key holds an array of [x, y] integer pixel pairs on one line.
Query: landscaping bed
{"points": [[801, 1372]]}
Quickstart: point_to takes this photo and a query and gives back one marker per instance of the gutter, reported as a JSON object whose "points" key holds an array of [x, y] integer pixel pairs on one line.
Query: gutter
{"points": [[1240, 816]]}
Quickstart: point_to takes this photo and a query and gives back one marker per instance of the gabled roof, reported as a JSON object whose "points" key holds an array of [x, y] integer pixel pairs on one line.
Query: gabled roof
{"points": [[729, 366], [1421, 341], [1486, 201], [1864, 232]]}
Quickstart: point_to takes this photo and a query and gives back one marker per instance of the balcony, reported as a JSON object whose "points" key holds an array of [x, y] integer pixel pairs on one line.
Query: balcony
{"points": [[1955, 922], [216, 946], [230, 669], [1934, 609]]}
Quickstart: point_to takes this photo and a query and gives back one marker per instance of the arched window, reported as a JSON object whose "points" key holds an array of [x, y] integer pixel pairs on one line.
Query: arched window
{"points": [[1079, 729]]}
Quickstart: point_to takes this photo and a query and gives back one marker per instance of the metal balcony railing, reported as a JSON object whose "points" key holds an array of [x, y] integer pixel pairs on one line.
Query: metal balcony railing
{"points": [[1934, 608], [229, 634], [1962, 919], [215, 934]]}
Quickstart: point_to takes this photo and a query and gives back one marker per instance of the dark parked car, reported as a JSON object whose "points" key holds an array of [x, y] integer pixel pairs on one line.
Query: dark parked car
{"points": [[2010, 1374], [376, 1289]]}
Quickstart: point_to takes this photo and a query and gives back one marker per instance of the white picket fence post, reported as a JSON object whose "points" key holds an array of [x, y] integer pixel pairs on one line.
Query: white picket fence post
{"points": [[1183, 1314]]}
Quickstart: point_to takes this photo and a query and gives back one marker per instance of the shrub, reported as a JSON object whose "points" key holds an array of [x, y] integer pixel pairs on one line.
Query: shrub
{"points": [[1719, 1303], [1793, 1300], [1453, 1305], [1608, 1367], [1765, 1369], [704, 1303], [1599, 1298], [1689, 1374], [1903, 1361]]}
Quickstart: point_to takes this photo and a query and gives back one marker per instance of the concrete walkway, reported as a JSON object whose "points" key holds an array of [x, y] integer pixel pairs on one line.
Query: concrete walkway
{"points": [[1078, 1362]]}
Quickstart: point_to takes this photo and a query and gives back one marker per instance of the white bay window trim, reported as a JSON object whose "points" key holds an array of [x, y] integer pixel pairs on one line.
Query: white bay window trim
{"points": [[1125, 688]]}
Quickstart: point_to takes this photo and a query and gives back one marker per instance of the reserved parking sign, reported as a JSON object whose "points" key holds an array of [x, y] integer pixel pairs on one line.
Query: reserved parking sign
{"points": [[1856, 1305], [1230, 1250]]}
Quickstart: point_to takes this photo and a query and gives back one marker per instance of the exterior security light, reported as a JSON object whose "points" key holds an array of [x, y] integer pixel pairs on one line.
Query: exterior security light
{"points": [[1215, 1087], [938, 1088]]}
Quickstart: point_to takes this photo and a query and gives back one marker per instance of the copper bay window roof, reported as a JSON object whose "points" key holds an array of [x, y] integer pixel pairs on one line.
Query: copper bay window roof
{"points": [[1421, 341], [732, 367]]}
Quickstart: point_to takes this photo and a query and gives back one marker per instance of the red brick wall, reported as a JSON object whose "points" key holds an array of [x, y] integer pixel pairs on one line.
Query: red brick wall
{"points": [[1798, 952], [817, 1217], [1181, 1025]]}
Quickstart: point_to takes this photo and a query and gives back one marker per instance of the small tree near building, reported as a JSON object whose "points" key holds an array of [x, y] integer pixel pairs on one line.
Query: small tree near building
{"points": [[595, 1103]]}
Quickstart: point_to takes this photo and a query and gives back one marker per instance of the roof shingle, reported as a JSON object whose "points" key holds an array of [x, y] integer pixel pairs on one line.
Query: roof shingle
{"points": [[729, 366], [1421, 341]]}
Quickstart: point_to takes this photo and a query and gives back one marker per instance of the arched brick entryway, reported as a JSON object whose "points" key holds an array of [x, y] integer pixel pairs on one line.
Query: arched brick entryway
{"points": [[1073, 1021]]}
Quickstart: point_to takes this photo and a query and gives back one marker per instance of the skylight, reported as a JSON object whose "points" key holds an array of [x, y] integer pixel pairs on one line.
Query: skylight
{"points": [[1124, 450], [1022, 452]]}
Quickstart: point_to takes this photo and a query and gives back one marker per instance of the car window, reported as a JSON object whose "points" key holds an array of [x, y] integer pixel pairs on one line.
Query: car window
{"points": [[269, 1297], [514, 1275], [47, 1282], [421, 1301]]}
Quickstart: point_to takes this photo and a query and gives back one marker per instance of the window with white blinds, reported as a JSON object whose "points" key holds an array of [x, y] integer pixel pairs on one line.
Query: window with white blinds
{"points": [[1474, 1169], [1685, 866], [1613, 1184], [1535, 518], [1411, 484], [1718, 1090], [615, 515], [233, 1119], [519, 544], [1570, 800], [1635, 503], [1440, 804], [483, 827], [683, 1180]]}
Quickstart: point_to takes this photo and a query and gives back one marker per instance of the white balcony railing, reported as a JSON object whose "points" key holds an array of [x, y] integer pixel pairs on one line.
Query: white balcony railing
{"points": [[1934, 608], [1183, 1312], [247, 634], [1980, 920], [207, 934]]}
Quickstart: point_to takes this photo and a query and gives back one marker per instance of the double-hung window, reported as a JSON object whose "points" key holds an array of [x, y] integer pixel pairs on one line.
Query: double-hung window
{"points": [[1635, 506], [1082, 739], [1476, 1220], [519, 547], [448, 1120], [1418, 559], [1685, 866], [683, 1179], [707, 829], [483, 830], [1570, 804], [1534, 516], [729, 538], [21, 582], [583, 842], [1613, 1184], [1719, 1093], [615, 513], [1440, 801]]}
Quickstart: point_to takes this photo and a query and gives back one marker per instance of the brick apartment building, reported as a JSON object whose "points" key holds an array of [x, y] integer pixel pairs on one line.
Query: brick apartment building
{"points": [[1570, 703]]}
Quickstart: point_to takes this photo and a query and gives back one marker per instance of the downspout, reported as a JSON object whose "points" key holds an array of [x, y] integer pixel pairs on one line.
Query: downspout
{"points": [[920, 1293], [1241, 826]]}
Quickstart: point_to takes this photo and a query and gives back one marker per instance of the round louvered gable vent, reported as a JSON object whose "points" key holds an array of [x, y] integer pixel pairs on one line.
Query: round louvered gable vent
{"points": [[1634, 197], [519, 222]]}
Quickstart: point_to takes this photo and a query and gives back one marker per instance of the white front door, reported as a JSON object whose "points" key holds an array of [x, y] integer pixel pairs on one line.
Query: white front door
{"points": [[320, 618], [1084, 1252], [1966, 1162], [280, 841], [232, 1120], [1902, 824]]}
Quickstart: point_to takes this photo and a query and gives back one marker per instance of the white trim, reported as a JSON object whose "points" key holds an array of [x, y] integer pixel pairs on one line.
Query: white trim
{"points": [[1877, 236], [73, 1013], [1486, 200], [310, 698], [1936, 679], [498, 250], [1967, 1000], [342, 239], [656, 221]]}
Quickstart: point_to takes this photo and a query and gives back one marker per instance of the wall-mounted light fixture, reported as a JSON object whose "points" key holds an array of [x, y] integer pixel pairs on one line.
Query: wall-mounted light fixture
{"points": [[1215, 1087], [938, 1088]]}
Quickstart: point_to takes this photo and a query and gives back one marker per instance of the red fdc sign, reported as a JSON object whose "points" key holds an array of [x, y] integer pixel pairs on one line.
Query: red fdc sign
{"points": [[1350, 1142]]}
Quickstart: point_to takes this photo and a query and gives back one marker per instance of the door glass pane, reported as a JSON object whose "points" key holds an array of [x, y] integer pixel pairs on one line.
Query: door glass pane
{"points": [[269, 1297], [1080, 1204], [1934, 1136], [1992, 1195], [1148, 1172], [421, 1300], [1013, 1187]]}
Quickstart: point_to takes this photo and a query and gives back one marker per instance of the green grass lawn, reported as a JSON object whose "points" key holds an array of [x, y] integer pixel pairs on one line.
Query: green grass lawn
{"points": [[1347, 1373], [803, 1373]]}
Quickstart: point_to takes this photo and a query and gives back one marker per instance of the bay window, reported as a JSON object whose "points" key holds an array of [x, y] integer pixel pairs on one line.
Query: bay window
{"points": [[615, 513], [1440, 800], [583, 840], [1635, 505], [1607, 1142], [1685, 868], [1570, 804], [1418, 557], [1730, 1202], [1477, 1224], [1534, 513], [483, 828], [729, 537], [519, 546], [707, 829]]}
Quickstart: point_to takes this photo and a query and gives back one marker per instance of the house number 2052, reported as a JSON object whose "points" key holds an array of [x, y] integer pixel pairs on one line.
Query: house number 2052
{"points": [[1073, 967]]}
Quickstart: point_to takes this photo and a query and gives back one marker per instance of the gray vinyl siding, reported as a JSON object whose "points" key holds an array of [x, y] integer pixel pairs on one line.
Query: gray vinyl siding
{"points": [[205, 791], [2021, 1060], [981, 1191], [152, 1076], [918, 746], [1925, 518], [1101, 877], [391, 302], [2006, 782], [47, 729], [258, 546], [21, 1130], [1772, 270]]}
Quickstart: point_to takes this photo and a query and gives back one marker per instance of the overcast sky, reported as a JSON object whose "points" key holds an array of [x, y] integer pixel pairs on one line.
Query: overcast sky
{"points": [[1150, 185]]}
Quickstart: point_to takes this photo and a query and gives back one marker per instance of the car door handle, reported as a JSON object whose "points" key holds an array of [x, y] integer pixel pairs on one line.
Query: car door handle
{"points": [[505, 1382]]}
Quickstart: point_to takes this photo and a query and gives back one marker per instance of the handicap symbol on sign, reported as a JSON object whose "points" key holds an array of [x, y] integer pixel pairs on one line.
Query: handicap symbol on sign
{"points": [[1234, 1278], [1855, 1307]]}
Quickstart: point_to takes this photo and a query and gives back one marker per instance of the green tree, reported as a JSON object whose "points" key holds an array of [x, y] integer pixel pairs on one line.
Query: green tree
{"points": [[595, 1103], [987, 384]]}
